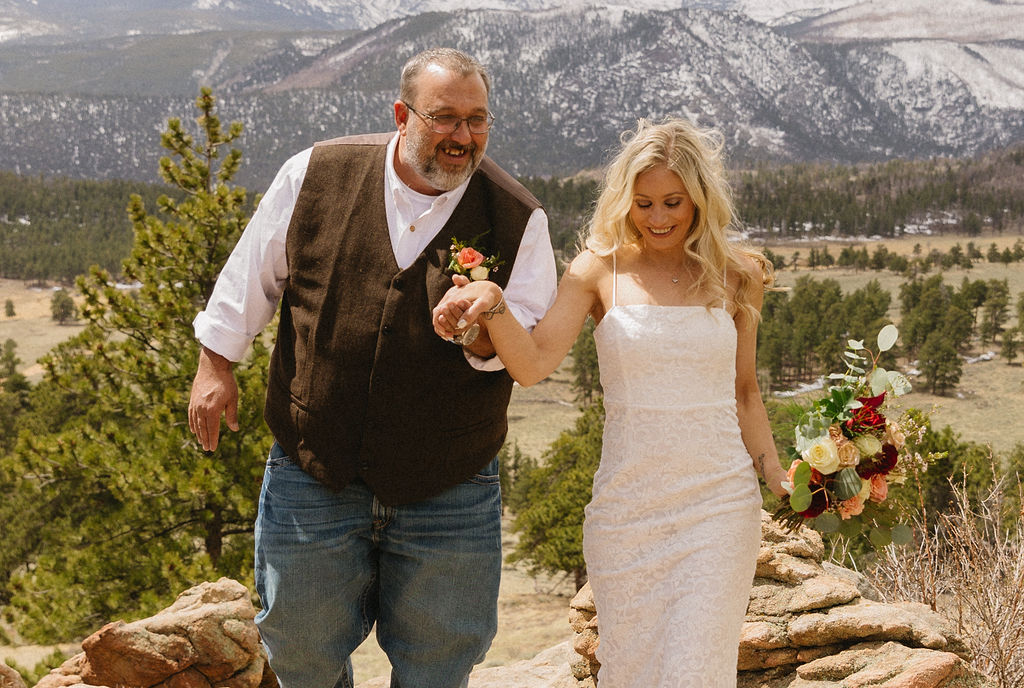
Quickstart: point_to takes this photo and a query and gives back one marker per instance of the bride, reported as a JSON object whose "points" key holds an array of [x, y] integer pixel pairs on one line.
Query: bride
{"points": [[672, 532]]}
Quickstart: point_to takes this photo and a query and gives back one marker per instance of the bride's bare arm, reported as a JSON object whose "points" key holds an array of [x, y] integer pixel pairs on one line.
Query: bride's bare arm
{"points": [[753, 418], [528, 356]]}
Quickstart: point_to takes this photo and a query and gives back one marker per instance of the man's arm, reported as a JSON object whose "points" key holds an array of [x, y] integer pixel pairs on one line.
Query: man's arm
{"points": [[214, 392], [243, 302]]}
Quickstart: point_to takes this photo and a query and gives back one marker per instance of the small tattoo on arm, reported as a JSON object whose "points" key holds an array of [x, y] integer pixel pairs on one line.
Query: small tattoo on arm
{"points": [[759, 464], [497, 309]]}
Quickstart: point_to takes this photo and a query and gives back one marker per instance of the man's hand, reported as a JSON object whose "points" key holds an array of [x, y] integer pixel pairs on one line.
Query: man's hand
{"points": [[214, 392], [461, 306]]}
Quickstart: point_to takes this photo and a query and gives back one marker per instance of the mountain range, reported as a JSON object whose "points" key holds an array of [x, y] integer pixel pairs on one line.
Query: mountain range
{"points": [[85, 91]]}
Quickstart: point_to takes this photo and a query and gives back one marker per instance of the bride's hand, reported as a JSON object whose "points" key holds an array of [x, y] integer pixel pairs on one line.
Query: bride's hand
{"points": [[461, 305]]}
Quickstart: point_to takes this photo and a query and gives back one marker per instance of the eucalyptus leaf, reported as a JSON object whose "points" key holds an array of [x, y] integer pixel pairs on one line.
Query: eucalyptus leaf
{"points": [[847, 483], [855, 344], [850, 528], [887, 337], [898, 382], [827, 523], [879, 381], [880, 537], [902, 534], [802, 475], [800, 500]]}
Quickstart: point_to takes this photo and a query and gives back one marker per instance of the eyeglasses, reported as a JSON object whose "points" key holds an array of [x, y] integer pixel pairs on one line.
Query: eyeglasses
{"points": [[449, 124]]}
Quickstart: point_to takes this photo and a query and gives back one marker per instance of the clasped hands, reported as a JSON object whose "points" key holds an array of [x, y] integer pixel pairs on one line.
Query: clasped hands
{"points": [[462, 305]]}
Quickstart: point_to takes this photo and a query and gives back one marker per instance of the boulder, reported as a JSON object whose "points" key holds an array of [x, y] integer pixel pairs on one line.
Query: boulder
{"points": [[812, 624], [206, 638]]}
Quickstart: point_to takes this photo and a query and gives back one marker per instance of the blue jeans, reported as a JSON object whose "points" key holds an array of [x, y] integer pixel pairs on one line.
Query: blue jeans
{"points": [[330, 564]]}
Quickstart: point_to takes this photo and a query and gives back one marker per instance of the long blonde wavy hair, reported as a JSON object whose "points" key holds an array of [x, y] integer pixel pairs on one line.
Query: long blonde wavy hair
{"points": [[695, 154]]}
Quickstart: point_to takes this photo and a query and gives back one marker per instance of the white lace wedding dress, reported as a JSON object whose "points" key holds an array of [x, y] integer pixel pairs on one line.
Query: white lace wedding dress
{"points": [[672, 533]]}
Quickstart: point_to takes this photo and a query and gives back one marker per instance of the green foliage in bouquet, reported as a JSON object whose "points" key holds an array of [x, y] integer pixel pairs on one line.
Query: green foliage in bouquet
{"points": [[847, 452]]}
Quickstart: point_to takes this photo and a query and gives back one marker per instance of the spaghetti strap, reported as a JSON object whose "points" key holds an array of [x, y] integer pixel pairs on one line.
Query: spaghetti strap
{"points": [[615, 279]]}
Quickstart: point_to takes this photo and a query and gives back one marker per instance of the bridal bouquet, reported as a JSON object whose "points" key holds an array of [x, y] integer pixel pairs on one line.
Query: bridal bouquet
{"points": [[847, 451]]}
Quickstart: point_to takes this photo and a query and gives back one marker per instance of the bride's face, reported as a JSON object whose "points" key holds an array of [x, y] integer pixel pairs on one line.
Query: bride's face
{"points": [[662, 210]]}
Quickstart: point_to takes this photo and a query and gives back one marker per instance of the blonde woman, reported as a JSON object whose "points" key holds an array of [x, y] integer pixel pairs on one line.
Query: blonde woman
{"points": [[672, 533]]}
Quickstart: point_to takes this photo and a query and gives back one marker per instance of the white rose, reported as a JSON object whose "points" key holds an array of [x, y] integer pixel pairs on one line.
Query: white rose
{"points": [[867, 445], [822, 455], [478, 273]]}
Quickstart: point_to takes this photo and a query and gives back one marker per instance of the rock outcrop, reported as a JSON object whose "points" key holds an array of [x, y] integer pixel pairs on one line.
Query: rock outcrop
{"points": [[811, 624], [206, 638], [9, 678]]}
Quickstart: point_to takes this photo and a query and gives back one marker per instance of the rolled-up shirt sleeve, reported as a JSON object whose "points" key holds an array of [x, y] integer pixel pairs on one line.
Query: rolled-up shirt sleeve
{"points": [[250, 285], [531, 284]]}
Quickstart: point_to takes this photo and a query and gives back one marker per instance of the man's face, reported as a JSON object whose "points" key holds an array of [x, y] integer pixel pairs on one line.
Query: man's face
{"points": [[430, 162]]}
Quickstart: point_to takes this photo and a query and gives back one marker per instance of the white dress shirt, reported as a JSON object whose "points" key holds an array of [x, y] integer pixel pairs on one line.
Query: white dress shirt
{"points": [[249, 287]]}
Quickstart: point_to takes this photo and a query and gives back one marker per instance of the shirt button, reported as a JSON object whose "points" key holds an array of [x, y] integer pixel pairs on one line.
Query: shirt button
{"points": [[412, 228]]}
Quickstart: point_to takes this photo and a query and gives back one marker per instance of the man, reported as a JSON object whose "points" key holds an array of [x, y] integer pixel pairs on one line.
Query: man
{"points": [[380, 500]]}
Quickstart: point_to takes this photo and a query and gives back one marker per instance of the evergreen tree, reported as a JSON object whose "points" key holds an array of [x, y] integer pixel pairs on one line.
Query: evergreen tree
{"points": [[62, 307], [14, 389], [995, 310], [1010, 344], [940, 363], [126, 510], [550, 518], [586, 376]]}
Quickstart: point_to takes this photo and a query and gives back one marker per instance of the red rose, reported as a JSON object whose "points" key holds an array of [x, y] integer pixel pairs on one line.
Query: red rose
{"points": [[469, 257], [865, 419], [872, 402]]}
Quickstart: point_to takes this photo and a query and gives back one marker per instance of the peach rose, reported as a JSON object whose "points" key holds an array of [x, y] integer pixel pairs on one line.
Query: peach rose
{"points": [[879, 488], [792, 470], [848, 454], [469, 257], [851, 507], [894, 435]]}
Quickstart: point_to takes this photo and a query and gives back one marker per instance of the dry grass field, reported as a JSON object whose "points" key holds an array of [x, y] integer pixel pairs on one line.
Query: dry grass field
{"points": [[533, 614]]}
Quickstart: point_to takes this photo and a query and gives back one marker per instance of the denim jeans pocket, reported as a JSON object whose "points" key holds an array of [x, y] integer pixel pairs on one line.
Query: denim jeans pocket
{"points": [[278, 458], [488, 475]]}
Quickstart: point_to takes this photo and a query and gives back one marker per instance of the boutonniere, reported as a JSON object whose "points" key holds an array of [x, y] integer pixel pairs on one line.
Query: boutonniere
{"points": [[464, 259]]}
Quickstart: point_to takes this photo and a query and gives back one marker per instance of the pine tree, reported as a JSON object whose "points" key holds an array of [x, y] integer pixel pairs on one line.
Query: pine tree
{"points": [[940, 364], [550, 520], [127, 510], [62, 307], [586, 376]]}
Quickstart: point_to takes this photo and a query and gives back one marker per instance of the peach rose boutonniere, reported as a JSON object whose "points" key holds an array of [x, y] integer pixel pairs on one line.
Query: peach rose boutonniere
{"points": [[466, 260]]}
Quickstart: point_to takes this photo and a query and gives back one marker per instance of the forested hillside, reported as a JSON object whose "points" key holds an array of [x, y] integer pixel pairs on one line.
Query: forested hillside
{"points": [[54, 229]]}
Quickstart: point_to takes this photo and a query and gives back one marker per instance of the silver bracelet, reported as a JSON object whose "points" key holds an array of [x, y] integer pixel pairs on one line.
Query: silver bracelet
{"points": [[496, 309]]}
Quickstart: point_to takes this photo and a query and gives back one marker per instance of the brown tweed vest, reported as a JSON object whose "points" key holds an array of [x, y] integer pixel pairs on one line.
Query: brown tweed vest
{"points": [[360, 385]]}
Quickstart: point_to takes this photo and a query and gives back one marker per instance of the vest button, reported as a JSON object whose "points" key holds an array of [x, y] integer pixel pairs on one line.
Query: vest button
{"points": [[387, 329]]}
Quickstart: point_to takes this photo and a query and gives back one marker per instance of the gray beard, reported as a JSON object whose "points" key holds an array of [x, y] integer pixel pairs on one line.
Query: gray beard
{"points": [[423, 159]]}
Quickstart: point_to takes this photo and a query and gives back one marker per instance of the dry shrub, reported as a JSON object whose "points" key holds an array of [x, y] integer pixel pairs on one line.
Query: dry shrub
{"points": [[969, 566]]}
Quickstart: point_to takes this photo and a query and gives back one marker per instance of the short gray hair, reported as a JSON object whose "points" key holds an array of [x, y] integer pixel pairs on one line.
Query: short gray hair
{"points": [[453, 60]]}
